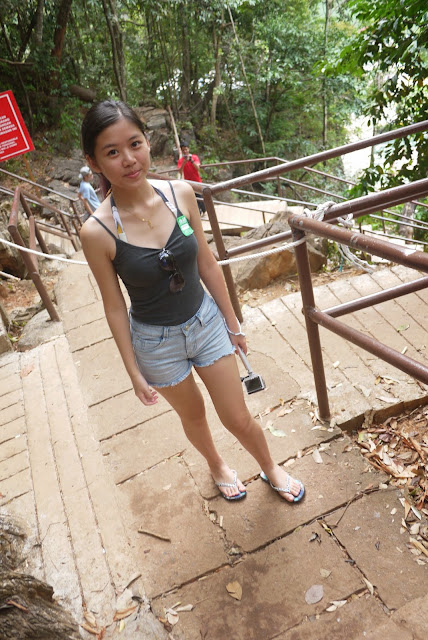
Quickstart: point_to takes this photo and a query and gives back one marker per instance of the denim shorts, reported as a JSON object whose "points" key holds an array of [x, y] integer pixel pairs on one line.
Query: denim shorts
{"points": [[165, 355]]}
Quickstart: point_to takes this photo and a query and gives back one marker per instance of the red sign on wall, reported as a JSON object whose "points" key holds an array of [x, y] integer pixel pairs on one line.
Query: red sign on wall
{"points": [[14, 137]]}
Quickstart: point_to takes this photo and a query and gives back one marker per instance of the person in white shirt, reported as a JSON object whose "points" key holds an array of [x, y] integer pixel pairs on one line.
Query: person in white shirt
{"points": [[86, 191]]}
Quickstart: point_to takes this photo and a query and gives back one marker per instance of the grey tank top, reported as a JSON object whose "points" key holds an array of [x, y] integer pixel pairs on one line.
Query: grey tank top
{"points": [[148, 284]]}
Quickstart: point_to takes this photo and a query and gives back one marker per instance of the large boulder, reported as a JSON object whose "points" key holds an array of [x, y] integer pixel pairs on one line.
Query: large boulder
{"points": [[10, 259], [256, 273], [158, 124], [160, 142], [39, 329], [5, 343], [28, 606], [66, 170]]}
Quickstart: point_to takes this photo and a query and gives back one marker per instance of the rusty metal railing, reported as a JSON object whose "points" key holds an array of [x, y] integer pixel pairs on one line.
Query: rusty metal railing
{"points": [[302, 225], [381, 199], [30, 260], [71, 202]]}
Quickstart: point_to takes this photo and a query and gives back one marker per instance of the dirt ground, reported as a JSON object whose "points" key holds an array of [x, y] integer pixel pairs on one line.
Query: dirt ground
{"points": [[21, 300], [290, 284]]}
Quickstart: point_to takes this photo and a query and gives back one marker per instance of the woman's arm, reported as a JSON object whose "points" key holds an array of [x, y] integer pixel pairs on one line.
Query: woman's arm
{"points": [[209, 270], [96, 249]]}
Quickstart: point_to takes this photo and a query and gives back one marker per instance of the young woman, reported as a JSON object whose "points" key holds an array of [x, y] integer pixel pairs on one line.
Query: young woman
{"points": [[150, 235]]}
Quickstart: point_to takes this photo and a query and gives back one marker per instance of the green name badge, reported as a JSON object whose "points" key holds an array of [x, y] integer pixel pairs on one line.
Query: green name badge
{"points": [[184, 225]]}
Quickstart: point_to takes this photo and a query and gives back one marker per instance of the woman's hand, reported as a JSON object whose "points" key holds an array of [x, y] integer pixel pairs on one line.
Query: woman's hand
{"points": [[144, 392], [239, 341]]}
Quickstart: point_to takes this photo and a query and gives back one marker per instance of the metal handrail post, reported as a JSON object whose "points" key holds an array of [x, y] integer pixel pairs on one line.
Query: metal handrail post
{"points": [[77, 223], [32, 243], [40, 240], [307, 293], [218, 238], [28, 259], [68, 231]]}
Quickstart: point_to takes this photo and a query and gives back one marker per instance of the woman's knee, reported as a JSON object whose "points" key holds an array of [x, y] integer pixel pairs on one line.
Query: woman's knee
{"points": [[193, 414], [193, 410], [240, 423]]}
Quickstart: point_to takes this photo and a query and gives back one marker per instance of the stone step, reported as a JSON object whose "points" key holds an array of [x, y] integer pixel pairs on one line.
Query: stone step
{"points": [[52, 477]]}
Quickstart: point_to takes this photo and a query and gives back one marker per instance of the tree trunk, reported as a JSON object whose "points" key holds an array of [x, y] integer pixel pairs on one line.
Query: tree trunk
{"points": [[116, 38], [87, 95], [250, 93], [38, 29], [168, 70], [408, 211], [217, 78], [186, 64], [324, 79], [61, 27]]}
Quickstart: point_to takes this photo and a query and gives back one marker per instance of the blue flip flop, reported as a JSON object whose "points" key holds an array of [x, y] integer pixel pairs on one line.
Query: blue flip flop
{"points": [[233, 484], [287, 488]]}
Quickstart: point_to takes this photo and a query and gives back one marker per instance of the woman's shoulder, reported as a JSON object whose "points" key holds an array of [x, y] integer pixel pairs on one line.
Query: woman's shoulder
{"points": [[163, 185], [92, 227]]}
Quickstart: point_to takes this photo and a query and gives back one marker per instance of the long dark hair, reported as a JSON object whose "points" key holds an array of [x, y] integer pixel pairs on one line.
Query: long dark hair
{"points": [[99, 117]]}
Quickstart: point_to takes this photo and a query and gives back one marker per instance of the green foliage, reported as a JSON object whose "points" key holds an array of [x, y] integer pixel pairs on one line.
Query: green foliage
{"points": [[171, 50], [67, 134], [390, 52]]}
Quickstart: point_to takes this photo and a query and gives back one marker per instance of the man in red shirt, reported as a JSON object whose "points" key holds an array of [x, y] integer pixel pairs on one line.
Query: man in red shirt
{"points": [[188, 166]]}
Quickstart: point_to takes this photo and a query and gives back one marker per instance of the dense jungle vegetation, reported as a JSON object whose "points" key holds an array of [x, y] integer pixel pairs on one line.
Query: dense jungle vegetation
{"points": [[251, 77]]}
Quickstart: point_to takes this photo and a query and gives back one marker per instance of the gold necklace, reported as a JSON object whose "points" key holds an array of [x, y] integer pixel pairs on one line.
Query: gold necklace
{"points": [[149, 222], [146, 220]]}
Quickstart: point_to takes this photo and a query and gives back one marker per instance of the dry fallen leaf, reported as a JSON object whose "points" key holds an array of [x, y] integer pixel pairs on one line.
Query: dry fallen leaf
{"points": [[283, 412], [124, 613], [26, 370], [89, 617], [186, 607], [369, 586], [403, 327], [172, 617], [314, 594], [279, 433], [419, 546], [234, 589], [317, 456], [325, 573], [338, 603], [90, 629]]}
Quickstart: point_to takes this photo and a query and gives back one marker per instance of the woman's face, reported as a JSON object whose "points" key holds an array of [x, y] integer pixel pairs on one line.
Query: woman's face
{"points": [[122, 154]]}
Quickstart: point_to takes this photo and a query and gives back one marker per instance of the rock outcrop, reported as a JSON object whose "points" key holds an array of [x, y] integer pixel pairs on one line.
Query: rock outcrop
{"points": [[158, 128], [257, 273]]}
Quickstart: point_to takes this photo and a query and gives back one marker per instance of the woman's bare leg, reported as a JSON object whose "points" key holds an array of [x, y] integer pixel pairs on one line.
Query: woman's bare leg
{"points": [[188, 402], [224, 386]]}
